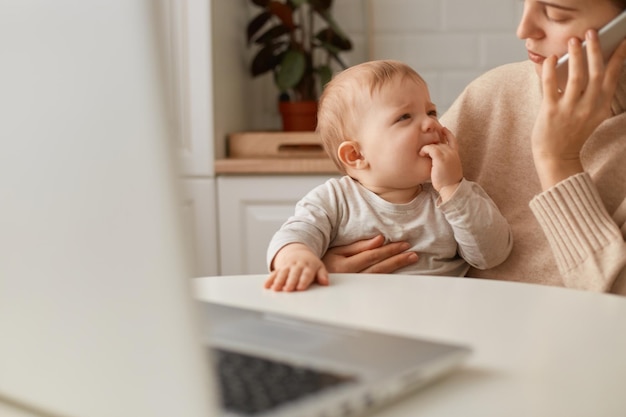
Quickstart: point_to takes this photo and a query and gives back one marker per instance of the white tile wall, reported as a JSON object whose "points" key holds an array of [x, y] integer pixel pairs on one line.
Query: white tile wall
{"points": [[449, 42]]}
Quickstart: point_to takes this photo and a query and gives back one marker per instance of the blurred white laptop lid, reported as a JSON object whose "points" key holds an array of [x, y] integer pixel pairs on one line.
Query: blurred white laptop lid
{"points": [[95, 318], [96, 311]]}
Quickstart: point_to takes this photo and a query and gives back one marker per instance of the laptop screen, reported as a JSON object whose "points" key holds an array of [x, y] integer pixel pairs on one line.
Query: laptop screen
{"points": [[96, 317]]}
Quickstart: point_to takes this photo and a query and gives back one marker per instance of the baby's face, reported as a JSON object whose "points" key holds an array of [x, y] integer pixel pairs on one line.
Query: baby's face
{"points": [[399, 121]]}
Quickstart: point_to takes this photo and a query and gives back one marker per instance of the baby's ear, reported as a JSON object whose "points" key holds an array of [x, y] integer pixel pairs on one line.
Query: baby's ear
{"points": [[350, 155]]}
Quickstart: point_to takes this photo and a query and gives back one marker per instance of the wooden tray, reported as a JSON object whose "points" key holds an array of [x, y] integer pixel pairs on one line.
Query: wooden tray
{"points": [[275, 145]]}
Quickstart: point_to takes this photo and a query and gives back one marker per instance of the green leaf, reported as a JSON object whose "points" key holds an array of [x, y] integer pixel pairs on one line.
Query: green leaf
{"points": [[266, 59], [291, 70]]}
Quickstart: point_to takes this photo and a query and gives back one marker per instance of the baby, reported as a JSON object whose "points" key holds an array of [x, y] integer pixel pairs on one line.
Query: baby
{"points": [[403, 179]]}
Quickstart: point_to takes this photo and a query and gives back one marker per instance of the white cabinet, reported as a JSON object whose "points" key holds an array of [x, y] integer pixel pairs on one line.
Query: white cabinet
{"points": [[250, 210]]}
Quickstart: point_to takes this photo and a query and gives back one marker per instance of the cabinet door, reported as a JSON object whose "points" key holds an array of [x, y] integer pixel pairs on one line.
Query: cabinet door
{"points": [[251, 209], [200, 216]]}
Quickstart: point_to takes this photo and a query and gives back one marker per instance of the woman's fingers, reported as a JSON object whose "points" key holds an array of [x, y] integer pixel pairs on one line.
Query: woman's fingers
{"points": [[549, 83], [589, 73], [359, 246], [368, 261], [577, 70], [392, 264], [348, 258], [595, 64]]}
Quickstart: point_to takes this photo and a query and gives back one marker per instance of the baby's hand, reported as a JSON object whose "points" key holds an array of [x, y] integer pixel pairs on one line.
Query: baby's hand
{"points": [[295, 269], [447, 171]]}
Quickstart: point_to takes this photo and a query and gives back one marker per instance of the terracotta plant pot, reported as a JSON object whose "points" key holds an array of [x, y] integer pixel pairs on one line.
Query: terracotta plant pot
{"points": [[298, 116]]}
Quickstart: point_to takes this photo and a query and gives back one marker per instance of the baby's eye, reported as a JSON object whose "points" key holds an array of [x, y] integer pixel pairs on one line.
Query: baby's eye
{"points": [[405, 116], [433, 113]]}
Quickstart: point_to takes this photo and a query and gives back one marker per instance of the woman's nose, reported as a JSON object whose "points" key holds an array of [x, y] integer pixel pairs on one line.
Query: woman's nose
{"points": [[527, 27]]}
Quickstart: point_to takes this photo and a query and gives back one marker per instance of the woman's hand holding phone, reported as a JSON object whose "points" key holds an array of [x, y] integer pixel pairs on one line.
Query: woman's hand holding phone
{"points": [[567, 117]]}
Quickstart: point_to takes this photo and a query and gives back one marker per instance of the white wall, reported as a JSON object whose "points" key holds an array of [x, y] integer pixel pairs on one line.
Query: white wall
{"points": [[231, 83], [449, 42]]}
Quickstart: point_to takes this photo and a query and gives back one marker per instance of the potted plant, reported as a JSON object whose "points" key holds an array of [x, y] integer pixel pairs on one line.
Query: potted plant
{"points": [[299, 42]]}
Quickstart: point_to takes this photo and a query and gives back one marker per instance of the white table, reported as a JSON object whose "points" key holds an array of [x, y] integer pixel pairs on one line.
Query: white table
{"points": [[538, 351]]}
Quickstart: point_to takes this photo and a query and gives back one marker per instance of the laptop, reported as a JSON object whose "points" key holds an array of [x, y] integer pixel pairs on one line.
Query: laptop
{"points": [[97, 312], [299, 367]]}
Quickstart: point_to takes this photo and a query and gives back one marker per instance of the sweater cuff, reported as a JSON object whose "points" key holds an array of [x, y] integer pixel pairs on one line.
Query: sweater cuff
{"points": [[574, 220]]}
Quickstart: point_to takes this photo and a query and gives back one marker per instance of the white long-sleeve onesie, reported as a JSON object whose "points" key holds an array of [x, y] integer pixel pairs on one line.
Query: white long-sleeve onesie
{"points": [[468, 229]]}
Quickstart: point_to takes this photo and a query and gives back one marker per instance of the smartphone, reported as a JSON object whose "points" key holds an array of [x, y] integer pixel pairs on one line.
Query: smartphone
{"points": [[610, 36]]}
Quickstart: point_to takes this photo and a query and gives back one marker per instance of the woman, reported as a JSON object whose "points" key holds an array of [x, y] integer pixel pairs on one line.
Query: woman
{"points": [[553, 161]]}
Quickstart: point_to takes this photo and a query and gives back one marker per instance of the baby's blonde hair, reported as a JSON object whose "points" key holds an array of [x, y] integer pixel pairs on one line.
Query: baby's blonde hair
{"points": [[341, 102]]}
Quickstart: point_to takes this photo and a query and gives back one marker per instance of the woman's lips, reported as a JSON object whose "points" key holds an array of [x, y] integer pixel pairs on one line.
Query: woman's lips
{"points": [[536, 58]]}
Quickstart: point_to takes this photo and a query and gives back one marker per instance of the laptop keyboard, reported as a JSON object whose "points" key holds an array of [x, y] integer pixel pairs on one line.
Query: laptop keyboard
{"points": [[251, 385]]}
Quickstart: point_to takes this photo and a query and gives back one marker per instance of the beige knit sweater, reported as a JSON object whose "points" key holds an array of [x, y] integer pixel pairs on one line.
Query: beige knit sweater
{"points": [[571, 235]]}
